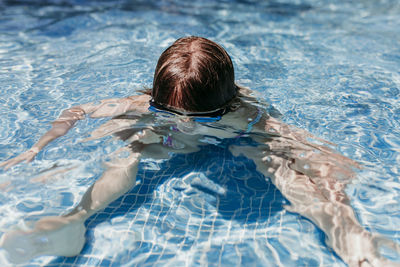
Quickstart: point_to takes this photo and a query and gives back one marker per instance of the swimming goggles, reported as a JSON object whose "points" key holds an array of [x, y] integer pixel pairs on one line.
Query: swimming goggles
{"points": [[207, 116]]}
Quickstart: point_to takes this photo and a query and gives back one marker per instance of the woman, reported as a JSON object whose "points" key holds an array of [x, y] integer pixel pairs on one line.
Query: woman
{"points": [[194, 95]]}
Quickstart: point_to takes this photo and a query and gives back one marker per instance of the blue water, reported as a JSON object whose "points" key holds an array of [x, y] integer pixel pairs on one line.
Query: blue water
{"points": [[330, 67]]}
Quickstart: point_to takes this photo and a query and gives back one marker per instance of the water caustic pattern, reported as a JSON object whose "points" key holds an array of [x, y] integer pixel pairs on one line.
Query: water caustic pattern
{"points": [[177, 216], [330, 67], [201, 216]]}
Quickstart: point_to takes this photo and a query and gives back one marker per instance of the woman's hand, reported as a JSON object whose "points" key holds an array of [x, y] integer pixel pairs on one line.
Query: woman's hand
{"points": [[26, 156]]}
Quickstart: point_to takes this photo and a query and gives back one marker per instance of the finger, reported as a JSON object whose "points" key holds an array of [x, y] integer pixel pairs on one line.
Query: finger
{"points": [[13, 162], [3, 163], [7, 164], [10, 164]]}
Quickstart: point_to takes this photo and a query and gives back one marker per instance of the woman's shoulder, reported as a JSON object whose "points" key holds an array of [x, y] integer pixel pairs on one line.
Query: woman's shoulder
{"points": [[241, 117], [140, 101], [117, 106]]}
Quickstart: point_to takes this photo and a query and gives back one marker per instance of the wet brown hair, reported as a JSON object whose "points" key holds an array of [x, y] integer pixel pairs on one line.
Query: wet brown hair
{"points": [[194, 74]]}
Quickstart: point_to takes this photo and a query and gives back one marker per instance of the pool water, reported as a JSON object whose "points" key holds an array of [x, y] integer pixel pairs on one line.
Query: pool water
{"points": [[330, 67]]}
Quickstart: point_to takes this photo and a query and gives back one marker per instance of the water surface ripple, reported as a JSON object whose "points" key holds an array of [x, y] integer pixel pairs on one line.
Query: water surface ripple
{"points": [[330, 67]]}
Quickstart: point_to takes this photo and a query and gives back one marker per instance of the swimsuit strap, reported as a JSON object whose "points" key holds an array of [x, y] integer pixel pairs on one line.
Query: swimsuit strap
{"points": [[251, 123], [256, 120]]}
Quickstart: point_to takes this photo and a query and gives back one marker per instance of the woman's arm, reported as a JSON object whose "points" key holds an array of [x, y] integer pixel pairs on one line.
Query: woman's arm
{"points": [[68, 118]]}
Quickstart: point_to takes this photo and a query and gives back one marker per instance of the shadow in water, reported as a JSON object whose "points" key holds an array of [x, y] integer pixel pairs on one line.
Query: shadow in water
{"points": [[211, 178]]}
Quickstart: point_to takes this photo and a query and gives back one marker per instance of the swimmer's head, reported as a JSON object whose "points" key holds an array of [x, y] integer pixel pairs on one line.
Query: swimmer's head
{"points": [[194, 74]]}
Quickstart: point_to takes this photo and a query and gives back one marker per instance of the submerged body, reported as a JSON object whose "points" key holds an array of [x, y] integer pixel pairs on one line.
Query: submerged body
{"points": [[311, 176]]}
